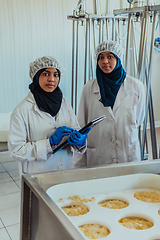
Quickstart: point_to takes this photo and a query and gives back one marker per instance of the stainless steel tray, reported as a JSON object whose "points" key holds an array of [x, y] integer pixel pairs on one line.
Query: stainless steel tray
{"points": [[40, 216]]}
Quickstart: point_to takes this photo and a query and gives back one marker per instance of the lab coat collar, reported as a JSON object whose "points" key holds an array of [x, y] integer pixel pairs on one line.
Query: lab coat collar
{"points": [[126, 84], [122, 93], [44, 115], [96, 91], [96, 87]]}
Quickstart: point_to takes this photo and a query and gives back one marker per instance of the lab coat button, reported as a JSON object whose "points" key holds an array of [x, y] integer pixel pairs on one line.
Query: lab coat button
{"points": [[114, 160]]}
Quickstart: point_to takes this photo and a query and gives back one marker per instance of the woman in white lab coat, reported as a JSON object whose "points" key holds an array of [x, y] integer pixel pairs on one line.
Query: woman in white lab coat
{"points": [[42, 121], [121, 99]]}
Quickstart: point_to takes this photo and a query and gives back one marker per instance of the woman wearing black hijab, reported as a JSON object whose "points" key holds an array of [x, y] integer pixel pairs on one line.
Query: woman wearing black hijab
{"points": [[42, 121]]}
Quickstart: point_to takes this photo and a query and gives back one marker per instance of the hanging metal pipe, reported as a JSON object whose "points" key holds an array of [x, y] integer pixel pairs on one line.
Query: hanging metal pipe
{"points": [[73, 47], [142, 65], [102, 30], [115, 34], [152, 123], [97, 7], [89, 58], [127, 43], [94, 45], [149, 103], [91, 51], [76, 79], [86, 53], [100, 26], [134, 56], [117, 39], [141, 44], [107, 28], [113, 30], [94, 41]]}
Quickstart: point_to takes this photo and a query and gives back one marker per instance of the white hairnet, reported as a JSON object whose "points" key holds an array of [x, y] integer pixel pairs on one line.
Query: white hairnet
{"points": [[109, 46], [44, 62]]}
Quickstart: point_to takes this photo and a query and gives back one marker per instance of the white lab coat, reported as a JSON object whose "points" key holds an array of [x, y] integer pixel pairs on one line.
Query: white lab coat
{"points": [[30, 129], [115, 139]]}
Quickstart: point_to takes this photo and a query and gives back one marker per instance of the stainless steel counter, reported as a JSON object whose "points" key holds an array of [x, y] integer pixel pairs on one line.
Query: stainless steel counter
{"points": [[40, 216]]}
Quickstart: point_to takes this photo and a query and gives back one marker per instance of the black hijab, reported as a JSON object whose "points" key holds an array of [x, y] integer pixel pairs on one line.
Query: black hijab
{"points": [[49, 102]]}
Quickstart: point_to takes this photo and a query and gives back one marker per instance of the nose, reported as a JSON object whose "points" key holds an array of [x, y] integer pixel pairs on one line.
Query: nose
{"points": [[105, 60], [51, 78]]}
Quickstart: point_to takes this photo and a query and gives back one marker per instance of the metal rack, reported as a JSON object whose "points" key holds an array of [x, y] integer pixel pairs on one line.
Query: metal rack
{"points": [[143, 62], [99, 27], [96, 29]]}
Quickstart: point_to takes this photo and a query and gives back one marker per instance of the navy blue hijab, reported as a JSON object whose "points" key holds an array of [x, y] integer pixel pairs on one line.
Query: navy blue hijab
{"points": [[109, 83]]}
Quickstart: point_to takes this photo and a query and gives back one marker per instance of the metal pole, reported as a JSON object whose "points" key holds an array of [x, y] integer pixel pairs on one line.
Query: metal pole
{"points": [[94, 40], [73, 46], [107, 28], [127, 44], [115, 35], [135, 51], [76, 68], [91, 43], [89, 58], [152, 123], [149, 104], [134, 58], [141, 45], [86, 53], [102, 30], [99, 23], [113, 30], [97, 7], [142, 62]]}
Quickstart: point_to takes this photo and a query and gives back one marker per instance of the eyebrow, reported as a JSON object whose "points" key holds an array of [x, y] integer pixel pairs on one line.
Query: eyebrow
{"points": [[50, 71], [106, 53]]}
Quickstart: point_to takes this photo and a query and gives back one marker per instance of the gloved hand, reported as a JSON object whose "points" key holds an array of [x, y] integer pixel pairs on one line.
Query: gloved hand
{"points": [[58, 135], [78, 139]]}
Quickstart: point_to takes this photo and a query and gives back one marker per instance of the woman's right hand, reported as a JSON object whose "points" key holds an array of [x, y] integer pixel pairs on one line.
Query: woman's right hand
{"points": [[58, 135]]}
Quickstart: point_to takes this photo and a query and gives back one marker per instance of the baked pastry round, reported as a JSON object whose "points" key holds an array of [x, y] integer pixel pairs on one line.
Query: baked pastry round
{"points": [[113, 204], [137, 223], [75, 210], [79, 199], [159, 211], [94, 231], [148, 196]]}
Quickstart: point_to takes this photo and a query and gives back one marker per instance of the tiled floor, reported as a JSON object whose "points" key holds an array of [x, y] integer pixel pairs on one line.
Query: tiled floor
{"points": [[10, 192], [9, 198]]}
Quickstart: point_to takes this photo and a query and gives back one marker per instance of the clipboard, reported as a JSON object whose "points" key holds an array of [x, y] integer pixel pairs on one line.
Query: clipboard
{"points": [[82, 130]]}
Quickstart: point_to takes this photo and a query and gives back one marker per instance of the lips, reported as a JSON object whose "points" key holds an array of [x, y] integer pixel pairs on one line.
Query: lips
{"points": [[50, 85], [106, 67]]}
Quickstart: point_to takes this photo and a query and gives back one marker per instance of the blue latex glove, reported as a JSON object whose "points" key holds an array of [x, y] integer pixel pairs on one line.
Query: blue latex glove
{"points": [[58, 135], [78, 139]]}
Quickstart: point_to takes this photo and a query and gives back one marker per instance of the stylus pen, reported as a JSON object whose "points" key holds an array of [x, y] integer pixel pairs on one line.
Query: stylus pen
{"points": [[82, 130]]}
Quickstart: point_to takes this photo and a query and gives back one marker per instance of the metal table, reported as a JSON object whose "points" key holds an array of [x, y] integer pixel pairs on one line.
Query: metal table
{"points": [[42, 219]]}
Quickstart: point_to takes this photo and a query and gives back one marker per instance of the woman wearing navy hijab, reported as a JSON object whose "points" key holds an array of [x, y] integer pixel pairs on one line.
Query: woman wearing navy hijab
{"points": [[121, 99]]}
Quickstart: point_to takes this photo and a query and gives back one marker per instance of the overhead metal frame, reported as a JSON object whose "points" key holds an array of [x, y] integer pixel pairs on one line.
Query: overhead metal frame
{"points": [[88, 21]]}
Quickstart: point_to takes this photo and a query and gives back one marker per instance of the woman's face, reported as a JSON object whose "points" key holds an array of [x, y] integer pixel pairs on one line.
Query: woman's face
{"points": [[107, 62], [49, 79]]}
